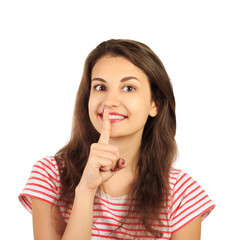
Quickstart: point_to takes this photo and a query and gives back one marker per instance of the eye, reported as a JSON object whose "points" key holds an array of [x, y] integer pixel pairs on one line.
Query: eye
{"points": [[129, 89], [100, 87]]}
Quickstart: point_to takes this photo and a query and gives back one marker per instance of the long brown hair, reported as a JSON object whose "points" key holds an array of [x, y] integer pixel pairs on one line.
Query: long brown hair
{"points": [[158, 148]]}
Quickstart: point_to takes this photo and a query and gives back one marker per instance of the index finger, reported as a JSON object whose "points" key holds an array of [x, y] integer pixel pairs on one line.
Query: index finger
{"points": [[106, 128]]}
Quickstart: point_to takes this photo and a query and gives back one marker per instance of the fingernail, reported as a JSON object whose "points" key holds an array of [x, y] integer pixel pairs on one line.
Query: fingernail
{"points": [[123, 161], [114, 169]]}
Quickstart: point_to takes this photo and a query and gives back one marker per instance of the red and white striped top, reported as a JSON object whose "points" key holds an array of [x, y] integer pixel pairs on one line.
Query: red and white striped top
{"points": [[187, 201]]}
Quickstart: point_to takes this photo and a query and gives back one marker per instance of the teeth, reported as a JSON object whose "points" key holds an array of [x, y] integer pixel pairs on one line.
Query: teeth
{"points": [[116, 117]]}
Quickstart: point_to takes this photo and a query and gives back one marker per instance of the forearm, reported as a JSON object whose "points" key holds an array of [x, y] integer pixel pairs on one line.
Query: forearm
{"points": [[80, 222]]}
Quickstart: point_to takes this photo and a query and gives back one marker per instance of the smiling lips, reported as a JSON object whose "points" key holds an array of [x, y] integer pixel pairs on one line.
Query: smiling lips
{"points": [[114, 117]]}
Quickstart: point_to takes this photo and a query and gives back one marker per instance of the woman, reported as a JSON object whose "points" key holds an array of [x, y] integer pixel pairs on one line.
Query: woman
{"points": [[114, 179]]}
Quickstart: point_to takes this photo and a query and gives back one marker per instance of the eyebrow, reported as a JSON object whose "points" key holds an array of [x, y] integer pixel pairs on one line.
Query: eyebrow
{"points": [[122, 80]]}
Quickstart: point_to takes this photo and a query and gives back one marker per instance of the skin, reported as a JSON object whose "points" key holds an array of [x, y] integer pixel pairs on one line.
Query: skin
{"points": [[117, 87], [123, 88]]}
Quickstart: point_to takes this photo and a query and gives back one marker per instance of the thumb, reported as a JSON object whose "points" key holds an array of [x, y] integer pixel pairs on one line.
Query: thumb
{"points": [[106, 175], [121, 163]]}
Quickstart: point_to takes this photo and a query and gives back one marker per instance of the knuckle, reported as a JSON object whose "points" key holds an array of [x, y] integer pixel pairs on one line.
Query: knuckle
{"points": [[115, 148], [93, 145], [114, 157], [110, 162]]}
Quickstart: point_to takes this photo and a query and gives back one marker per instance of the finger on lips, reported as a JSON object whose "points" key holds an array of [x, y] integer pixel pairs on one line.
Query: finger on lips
{"points": [[106, 128], [118, 163]]}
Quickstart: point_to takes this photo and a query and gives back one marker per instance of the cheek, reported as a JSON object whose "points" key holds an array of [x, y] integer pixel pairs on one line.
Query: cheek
{"points": [[91, 110], [147, 100], [91, 107], [93, 102], [138, 107]]}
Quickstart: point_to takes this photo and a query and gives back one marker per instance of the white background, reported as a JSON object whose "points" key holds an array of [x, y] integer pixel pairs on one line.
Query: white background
{"points": [[42, 50]]}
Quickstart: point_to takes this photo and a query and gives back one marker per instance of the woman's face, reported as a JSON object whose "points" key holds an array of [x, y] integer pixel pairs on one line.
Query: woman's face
{"points": [[123, 89]]}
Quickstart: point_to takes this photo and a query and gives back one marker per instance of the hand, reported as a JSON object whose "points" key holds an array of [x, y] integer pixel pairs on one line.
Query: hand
{"points": [[104, 160]]}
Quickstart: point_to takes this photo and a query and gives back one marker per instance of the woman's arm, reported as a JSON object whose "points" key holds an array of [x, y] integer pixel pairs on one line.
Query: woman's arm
{"points": [[48, 223], [191, 231], [80, 222]]}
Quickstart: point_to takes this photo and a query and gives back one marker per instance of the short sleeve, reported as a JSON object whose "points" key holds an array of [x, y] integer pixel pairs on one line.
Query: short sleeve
{"points": [[43, 183], [188, 202]]}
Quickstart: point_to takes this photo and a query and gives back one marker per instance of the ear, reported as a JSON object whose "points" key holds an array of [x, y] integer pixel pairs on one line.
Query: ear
{"points": [[154, 109]]}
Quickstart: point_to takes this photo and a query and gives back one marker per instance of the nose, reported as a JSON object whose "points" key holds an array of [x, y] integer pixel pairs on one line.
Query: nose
{"points": [[112, 99]]}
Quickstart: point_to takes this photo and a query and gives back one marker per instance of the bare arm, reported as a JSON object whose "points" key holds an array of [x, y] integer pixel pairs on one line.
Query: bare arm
{"points": [[80, 222], [48, 223], [191, 231]]}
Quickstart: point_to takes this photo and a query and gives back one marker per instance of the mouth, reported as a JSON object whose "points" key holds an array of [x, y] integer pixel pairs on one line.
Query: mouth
{"points": [[114, 117]]}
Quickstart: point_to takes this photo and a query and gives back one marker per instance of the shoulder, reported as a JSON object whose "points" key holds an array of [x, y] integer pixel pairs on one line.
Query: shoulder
{"points": [[174, 175], [183, 185], [46, 170], [44, 183], [48, 161], [188, 199], [178, 175], [178, 179], [49, 165]]}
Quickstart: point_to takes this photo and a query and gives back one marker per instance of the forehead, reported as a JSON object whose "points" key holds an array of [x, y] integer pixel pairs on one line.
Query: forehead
{"points": [[120, 67]]}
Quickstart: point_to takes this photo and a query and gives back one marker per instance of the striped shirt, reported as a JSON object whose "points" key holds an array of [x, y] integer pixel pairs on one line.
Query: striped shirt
{"points": [[187, 201]]}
